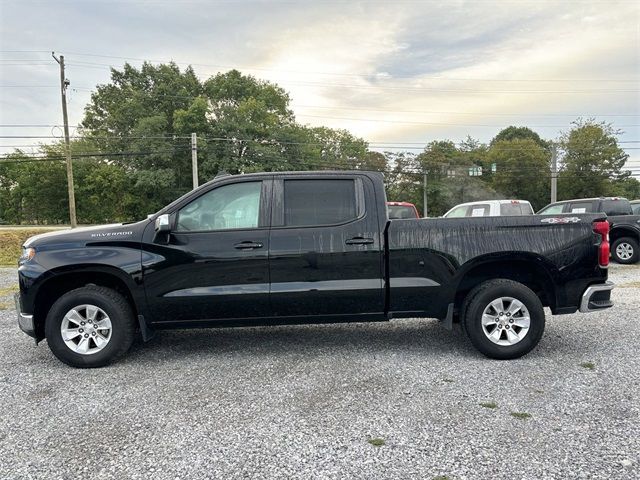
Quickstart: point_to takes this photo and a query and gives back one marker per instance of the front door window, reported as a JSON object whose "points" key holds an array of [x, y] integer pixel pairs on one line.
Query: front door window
{"points": [[235, 206]]}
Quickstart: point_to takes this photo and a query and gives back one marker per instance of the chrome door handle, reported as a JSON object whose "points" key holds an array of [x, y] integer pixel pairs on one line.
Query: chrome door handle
{"points": [[359, 241], [247, 245]]}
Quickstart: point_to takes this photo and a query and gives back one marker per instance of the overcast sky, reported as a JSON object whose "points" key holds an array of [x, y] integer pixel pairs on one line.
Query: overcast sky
{"points": [[397, 73]]}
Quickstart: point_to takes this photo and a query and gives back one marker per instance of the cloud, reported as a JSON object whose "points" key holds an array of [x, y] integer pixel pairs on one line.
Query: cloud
{"points": [[446, 69]]}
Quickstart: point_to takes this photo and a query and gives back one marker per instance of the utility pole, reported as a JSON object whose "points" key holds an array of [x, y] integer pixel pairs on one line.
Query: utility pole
{"points": [[64, 83], [425, 194], [554, 173], [194, 159]]}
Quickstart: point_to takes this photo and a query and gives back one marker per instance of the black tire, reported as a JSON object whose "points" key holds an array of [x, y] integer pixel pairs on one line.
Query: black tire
{"points": [[480, 297], [113, 304], [630, 243]]}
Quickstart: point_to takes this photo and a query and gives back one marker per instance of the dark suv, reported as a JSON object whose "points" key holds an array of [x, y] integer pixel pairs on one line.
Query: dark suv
{"points": [[625, 225]]}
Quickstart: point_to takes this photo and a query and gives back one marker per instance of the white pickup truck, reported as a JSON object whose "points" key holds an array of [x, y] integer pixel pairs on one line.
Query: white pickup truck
{"points": [[490, 208]]}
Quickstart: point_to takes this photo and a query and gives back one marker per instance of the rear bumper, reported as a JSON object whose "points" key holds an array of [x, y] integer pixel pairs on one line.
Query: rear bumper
{"points": [[25, 321], [596, 297]]}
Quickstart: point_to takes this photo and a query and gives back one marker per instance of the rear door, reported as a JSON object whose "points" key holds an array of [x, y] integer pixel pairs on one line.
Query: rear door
{"points": [[325, 246]]}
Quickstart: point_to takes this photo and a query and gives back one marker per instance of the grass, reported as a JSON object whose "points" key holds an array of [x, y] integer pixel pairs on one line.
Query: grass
{"points": [[441, 477], [588, 365], [8, 290], [376, 442], [489, 405], [521, 415], [11, 241]]}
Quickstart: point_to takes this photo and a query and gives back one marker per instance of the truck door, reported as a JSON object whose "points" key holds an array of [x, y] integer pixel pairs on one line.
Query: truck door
{"points": [[214, 264], [326, 255]]}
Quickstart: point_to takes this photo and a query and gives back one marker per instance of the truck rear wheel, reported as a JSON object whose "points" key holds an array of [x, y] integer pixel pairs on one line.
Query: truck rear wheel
{"points": [[625, 250], [503, 319], [90, 327]]}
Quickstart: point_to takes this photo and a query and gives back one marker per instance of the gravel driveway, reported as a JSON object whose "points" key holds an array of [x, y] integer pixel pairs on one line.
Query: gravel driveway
{"points": [[405, 399]]}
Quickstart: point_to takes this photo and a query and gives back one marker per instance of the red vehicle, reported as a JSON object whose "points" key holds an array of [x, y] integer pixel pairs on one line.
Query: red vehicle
{"points": [[401, 210]]}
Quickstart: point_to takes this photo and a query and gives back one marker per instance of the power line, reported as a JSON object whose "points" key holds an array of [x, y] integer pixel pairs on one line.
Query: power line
{"points": [[448, 89], [480, 114], [409, 122], [340, 74], [48, 158], [273, 141]]}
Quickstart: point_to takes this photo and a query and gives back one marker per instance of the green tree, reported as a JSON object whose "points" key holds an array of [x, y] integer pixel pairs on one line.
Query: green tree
{"points": [[519, 133], [243, 124], [34, 190], [522, 170], [448, 174], [593, 161], [627, 187]]}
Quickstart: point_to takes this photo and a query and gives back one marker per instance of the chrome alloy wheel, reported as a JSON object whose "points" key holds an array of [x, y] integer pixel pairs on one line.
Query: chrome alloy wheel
{"points": [[86, 329], [505, 321], [624, 251]]}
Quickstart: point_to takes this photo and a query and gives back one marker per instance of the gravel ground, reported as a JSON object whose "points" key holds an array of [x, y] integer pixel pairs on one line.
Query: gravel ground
{"points": [[305, 402]]}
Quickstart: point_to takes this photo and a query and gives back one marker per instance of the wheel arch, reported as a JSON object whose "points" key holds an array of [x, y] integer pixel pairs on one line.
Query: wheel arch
{"points": [[623, 231], [65, 280], [530, 271]]}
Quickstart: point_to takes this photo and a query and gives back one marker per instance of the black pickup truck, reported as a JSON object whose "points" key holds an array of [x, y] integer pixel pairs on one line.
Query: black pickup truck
{"points": [[312, 247], [624, 225]]}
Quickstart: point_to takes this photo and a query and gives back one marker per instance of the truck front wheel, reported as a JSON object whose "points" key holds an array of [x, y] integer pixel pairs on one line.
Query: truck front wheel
{"points": [[503, 319], [90, 327]]}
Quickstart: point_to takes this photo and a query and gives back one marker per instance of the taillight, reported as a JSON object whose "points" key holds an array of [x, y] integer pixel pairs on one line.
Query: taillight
{"points": [[602, 229]]}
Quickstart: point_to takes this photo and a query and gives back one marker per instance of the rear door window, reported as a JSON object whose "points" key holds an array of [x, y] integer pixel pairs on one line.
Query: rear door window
{"points": [[319, 202], [482, 210], [581, 207]]}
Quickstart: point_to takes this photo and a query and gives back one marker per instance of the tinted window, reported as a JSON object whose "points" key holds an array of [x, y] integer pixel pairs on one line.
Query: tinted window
{"points": [[224, 208], [457, 212], [319, 202], [636, 208], [552, 209], [581, 207], [400, 211], [616, 207], [511, 209]]}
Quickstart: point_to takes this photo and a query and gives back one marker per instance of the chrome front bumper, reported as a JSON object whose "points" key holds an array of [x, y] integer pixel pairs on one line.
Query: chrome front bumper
{"points": [[25, 321], [597, 297]]}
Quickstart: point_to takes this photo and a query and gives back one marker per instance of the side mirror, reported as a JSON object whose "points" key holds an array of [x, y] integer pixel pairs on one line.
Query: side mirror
{"points": [[162, 223]]}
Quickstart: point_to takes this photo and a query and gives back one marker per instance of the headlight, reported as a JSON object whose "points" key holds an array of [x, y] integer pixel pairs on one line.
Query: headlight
{"points": [[27, 254]]}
